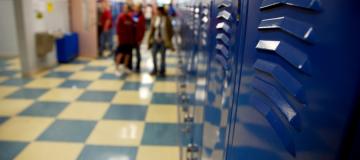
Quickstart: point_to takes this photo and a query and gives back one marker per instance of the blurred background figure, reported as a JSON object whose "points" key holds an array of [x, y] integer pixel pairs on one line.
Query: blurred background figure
{"points": [[171, 10], [148, 14], [106, 39], [126, 31], [139, 19], [99, 26], [160, 38]]}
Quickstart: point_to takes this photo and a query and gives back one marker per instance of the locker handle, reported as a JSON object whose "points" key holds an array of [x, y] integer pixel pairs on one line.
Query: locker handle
{"points": [[283, 77], [291, 54], [280, 102], [306, 4], [294, 27]]}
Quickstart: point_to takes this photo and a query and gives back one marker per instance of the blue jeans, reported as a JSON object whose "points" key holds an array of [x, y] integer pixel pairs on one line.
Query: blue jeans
{"points": [[106, 41], [156, 48]]}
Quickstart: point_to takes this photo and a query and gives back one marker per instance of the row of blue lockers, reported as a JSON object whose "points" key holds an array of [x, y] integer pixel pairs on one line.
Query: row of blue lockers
{"points": [[269, 79]]}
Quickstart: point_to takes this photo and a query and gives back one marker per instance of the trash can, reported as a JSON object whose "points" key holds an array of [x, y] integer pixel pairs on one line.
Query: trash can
{"points": [[67, 47]]}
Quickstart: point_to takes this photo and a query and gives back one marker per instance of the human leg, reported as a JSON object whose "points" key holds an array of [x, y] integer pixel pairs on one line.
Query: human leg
{"points": [[127, 61], [138, 58], [155, 50], [163, 60], [102, 43]]}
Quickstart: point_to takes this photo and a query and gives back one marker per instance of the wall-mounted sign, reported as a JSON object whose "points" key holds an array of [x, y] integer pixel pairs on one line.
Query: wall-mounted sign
{"points": [[39, 15], [50, 7]]}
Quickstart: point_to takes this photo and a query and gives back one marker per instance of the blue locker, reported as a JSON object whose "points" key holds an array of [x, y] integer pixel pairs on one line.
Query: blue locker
{"points": [[280, 78], [208, 43], [297, 91]]}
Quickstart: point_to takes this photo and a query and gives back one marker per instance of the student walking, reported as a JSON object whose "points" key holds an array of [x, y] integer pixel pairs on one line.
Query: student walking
{"points": [[139, 19], [160, 39], [106, 39], [126, 35]]}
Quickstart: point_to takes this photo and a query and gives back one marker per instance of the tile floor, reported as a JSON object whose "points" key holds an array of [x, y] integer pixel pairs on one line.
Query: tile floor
{"points": [[82, 111]]}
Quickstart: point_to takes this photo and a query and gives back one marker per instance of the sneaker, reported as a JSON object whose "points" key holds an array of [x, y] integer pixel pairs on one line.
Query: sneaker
{"points": [[137, 70], [162, 74], [121, 67], [127, 71], [118, 74], [153, 73]]}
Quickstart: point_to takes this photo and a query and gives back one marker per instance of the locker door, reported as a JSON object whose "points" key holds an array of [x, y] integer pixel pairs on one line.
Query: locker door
{"points": [[220, 79], [193, 78], [298, 82]]}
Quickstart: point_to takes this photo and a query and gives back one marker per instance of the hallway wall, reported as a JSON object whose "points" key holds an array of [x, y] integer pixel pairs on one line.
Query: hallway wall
{"points": [[56, 20], [83, 21], [8, 35]]}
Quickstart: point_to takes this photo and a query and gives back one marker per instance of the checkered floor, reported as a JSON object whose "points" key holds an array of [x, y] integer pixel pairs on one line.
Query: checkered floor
{"points": [[82, 111]]}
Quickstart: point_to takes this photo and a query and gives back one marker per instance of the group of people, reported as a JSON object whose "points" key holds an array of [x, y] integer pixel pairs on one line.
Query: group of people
{"points": [[130, 30]]}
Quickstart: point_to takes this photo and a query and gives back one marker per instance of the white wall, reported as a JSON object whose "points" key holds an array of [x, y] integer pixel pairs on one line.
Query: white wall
{"points": [[8, 36], [28, 24], [57, 20]]}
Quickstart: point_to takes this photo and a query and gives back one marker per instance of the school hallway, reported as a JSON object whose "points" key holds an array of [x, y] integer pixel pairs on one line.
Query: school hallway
{"points": [[244, 80], [82, 111]]}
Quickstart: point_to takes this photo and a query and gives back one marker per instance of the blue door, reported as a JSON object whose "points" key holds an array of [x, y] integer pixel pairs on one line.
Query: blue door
{"points": [[298, 82], [225, 30]]}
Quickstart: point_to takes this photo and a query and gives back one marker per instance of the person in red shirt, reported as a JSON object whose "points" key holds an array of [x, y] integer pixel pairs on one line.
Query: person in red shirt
{"points": [[126, 31], [139, 19], [106, 25]]}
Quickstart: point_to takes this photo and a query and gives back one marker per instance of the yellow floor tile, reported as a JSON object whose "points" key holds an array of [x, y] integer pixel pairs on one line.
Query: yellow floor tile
{"points": [[2, 79], [14, 67], [5, 91], [171, 71], [15, 61], [191, 88], [50, 150], [18, 75], [117, 133], [133, 78], [165, 87], [146, 78], [45, 83], [162, 113], [23, 128], [61, 95], [110, 70], [171, 60], [41, 74], [13, 107], [104, 63], [132, 97], [88, 59], [69, 67], [86, 75], [106, 85], [85, 111], [157, 153]]}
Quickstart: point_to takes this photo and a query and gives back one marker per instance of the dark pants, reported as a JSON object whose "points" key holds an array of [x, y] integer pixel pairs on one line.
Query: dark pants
{"points": [[106, 41], [156, 48], [138, 57], [99, 28]]}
